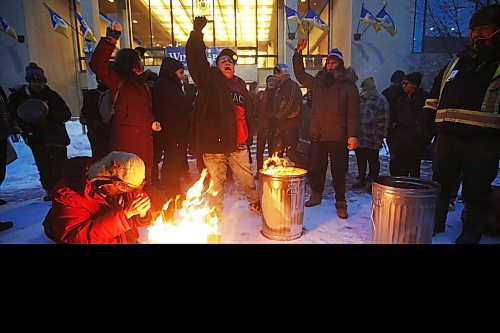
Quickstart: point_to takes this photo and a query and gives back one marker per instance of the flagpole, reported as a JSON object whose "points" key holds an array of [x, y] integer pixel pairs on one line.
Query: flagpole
{"points": [[359, 21], [78, 32]]}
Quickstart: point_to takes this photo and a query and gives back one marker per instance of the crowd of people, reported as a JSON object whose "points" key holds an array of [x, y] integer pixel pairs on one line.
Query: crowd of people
{"points": [[162, 117]]}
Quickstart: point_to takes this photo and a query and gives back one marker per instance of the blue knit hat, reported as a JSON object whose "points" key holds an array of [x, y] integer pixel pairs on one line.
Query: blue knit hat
{"points": [[336, 53], [33, 72], [283, 68]]}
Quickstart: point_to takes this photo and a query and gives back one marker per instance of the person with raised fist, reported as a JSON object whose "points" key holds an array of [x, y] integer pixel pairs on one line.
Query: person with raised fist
{"points": [[219, 129], [132, 124]]}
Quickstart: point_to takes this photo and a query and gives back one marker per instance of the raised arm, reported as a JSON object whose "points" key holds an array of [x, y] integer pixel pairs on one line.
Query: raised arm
{"points": [[195, 53], [304, 78], [100, 58]]}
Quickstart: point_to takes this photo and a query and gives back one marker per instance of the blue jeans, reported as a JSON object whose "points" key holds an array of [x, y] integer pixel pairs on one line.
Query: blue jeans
{"points": [[217, 164]]}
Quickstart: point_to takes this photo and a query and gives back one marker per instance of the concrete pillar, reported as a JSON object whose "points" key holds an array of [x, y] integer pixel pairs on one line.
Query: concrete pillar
{"points": [[90, 13], [123, 11]]}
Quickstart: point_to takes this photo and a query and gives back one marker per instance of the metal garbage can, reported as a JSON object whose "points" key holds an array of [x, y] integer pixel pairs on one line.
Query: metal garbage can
{"points": [[403, 210], [282, 196]]}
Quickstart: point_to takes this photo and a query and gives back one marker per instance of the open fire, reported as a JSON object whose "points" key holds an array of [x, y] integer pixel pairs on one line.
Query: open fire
{"points": [[280, 166], [194, 222], [282, 190]]}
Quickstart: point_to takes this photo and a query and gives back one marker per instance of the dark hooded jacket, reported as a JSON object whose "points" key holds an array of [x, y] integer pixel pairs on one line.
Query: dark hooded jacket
{"points": [[214, 122], [170, 105], [50, 131], [335, 107], [408, 126]]}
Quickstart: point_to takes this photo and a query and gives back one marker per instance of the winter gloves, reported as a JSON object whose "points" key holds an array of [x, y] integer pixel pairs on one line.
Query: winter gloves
{"points": [[199, 23], [114, 31]]}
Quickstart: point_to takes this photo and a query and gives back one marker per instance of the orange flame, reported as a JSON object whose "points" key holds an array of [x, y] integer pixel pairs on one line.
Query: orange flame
{"points": [[280, 166], [195, 222]]}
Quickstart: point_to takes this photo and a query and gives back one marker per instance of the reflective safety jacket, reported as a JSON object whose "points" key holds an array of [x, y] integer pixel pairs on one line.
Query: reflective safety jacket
{"points": [[465, 97]]}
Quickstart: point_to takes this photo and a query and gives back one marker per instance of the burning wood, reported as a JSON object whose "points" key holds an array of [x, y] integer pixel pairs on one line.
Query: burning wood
{"points": [[195, 222]]}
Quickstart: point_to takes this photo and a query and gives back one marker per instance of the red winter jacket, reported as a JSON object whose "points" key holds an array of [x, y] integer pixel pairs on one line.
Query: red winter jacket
{"points": [[131, 125], [78, 216]]}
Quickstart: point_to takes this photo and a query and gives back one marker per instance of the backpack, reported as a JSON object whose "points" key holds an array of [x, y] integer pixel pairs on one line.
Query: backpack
{"points": [[107, 103]]}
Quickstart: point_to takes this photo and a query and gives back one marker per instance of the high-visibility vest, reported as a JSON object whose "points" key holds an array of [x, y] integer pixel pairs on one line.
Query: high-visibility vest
{"points": [[487, 116]]}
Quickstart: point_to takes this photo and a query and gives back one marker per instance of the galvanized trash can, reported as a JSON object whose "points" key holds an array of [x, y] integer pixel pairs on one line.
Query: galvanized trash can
{"points": [[403, 210], [282, 197]]}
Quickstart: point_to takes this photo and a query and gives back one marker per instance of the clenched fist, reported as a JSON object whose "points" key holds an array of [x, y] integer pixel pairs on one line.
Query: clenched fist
{"points": [[199, 23], [301, 45], [114, 30]]}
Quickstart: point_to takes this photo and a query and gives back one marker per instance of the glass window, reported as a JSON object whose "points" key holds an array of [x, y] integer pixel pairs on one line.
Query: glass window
{"points": [[267, 33], [249, 26]]}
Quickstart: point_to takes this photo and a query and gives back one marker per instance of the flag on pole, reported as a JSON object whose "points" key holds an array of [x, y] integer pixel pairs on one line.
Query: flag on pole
{"points": [[367, 17], [58, 23], [87, 33], [386, 21], [314, 19], [5, 26], [308, 20], [293, 15]]}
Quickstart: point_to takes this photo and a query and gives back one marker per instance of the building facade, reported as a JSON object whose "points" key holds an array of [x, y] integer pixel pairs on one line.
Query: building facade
{"points": [[258, 30]]}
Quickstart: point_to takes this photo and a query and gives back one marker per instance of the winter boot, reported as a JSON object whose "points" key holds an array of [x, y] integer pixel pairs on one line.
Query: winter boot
{"points": [[341, 209], [314, 200]]}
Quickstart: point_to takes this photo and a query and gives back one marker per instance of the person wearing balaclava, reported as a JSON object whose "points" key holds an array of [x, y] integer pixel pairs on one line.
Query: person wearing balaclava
{"points": [[99, 202], [374, 115], [219, 128], [42, 125], [334, 123], [465, 101]]}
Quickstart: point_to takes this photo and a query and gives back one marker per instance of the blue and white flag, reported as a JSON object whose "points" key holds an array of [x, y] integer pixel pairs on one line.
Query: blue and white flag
{"points": [[367, 17], [314, 19], [292, 15], [386, 21], [87, 33], [58, 23], [5, 27]]}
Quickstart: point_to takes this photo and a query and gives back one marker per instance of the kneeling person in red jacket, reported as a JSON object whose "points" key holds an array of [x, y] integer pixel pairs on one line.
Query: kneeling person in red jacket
{"points": [[105, 206]]}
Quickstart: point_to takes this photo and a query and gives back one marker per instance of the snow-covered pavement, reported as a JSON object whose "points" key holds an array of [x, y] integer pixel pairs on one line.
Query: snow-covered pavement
{"points": [[26, 209]]}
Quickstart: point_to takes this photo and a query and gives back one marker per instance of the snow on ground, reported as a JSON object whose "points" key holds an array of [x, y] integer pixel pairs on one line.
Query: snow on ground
{"points": [[239, 225]]}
